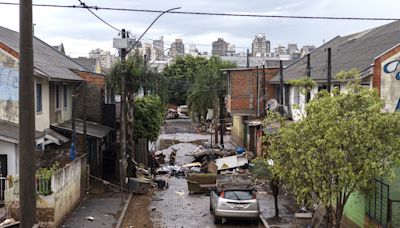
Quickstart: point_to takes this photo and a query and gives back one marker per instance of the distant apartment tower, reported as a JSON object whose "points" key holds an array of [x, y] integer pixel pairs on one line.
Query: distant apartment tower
{"points": [[158, 46], [260, 45], [306, 49], [281, 50], [292, 48], [177, 48], [231, 50], [219, 47], [105, 58]]}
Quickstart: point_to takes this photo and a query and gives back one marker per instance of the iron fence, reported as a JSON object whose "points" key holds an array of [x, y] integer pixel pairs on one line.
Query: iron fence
{"points": [[378, 205], [43, 186], [394, 213]]}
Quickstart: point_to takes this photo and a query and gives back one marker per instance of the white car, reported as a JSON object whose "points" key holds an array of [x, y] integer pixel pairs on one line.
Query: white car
{"points": [[234, 203]]}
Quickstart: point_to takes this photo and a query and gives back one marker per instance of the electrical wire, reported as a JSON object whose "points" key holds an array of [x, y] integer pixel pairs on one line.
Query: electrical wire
{"points": [[98, 17], [212, 13]]}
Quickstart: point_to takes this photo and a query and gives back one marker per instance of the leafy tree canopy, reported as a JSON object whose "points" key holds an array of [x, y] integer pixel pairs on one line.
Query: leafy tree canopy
{"points": [[343, 143], [148, 117]]}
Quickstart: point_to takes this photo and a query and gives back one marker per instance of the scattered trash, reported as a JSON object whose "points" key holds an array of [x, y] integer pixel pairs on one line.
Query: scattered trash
{"points": [[231, 162], [153, 208], [90, 218], [139, 186], [180, 193]]}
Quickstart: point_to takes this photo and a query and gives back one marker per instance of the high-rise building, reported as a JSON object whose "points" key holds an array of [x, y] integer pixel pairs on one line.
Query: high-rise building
{"points": [[292, 48], [219, 47], [260, 45], [306, 49], [193, 50], [281, 50], [231, 50], [158, 47], [105, 57], [177, 48]]}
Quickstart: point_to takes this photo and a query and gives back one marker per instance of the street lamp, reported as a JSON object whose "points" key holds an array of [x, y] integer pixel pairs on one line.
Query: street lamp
{"points": [[152, 23]]}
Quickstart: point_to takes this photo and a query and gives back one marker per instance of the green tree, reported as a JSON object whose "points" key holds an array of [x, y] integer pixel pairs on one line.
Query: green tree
{"points": [[180, 75], [343, 143], [148, 117], [210, 86]]}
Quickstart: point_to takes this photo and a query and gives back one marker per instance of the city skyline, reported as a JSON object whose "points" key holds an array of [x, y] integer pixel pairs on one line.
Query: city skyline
{"points": [[92, 33]]}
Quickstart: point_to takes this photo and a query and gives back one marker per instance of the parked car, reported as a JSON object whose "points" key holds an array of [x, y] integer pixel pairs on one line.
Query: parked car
{"points": [[171, 114], [234, 200]]}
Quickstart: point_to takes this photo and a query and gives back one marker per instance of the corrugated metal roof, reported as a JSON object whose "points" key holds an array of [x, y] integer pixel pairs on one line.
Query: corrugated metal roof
{"points": [[352, 51], [47, 59], [92, 129], [10, 131]]}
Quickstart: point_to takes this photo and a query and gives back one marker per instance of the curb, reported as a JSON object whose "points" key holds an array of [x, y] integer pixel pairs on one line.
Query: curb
{"points": [[121, 217], [265, 223]]}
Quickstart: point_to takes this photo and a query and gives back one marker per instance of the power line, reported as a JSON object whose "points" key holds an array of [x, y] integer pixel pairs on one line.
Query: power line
{"points": [[212, 13], [101, 19]]}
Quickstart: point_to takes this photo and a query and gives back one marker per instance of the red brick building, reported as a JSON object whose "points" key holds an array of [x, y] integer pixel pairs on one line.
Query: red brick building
{"points": [[248, 93]]}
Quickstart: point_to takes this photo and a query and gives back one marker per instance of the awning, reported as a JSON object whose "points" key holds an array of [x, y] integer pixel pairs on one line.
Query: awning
{"points": [[10, 132], [92, 129]]}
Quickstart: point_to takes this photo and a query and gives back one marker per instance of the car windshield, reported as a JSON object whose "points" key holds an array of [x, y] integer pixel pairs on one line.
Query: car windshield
{"points": [[238, 195]]}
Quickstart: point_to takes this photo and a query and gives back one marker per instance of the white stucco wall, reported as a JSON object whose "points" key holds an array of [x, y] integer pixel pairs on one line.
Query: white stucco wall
{"points": [[11, 150], [42, 120], [390, 86]]}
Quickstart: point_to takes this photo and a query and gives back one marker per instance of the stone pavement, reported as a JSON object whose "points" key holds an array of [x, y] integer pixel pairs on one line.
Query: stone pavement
{"points": [[104, 208], [176, 208]]}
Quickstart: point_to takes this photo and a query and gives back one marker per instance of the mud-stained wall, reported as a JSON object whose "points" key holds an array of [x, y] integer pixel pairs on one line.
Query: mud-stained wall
{"points": [[9, 83]]}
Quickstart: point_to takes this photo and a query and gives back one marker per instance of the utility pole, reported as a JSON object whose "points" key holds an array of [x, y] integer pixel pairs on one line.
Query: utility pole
{"points": [[281, 84], [258, 92], [122, 122], [248, 58], [263, 81], [222, 117], [329, 70], [27, 155], [308, 72]]}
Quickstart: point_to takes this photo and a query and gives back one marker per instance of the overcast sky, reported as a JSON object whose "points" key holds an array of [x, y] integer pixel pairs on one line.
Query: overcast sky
{"points": [[81, 32]]}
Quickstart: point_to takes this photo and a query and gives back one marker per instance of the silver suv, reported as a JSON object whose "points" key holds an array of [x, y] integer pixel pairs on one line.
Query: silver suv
{"points": [[234, 203]]}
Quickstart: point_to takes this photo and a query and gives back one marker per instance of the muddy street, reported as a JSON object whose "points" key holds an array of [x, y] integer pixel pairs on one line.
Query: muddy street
{"points": [[175, 207]]}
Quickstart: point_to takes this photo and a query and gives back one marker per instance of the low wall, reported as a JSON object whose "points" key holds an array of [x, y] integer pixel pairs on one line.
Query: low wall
{"points": [[68, 187]]}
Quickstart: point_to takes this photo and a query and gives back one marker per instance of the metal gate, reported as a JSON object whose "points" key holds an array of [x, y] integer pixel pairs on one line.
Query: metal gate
{"points": [[378, 207], [394, 212]]}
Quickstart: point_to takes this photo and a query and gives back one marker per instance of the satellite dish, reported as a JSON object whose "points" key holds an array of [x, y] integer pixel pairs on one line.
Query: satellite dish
{"points": [[272, 105]]}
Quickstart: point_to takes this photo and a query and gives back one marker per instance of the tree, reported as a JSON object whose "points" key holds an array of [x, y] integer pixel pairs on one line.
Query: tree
{"points": [[341, 145], [209, 88], [148, 117], [181, 75]]}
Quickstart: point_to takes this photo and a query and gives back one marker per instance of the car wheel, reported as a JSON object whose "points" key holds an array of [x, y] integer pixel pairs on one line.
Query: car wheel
{"points": [[217, 220]]}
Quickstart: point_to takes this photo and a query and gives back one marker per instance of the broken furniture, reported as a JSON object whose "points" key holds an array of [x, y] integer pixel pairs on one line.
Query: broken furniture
{"points": [[231, 162], [200, 182]]}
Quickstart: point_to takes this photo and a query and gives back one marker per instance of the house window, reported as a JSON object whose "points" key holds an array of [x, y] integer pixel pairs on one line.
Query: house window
{"points": [[322, 87], [38, 97], [65, 95], [57, 97]]}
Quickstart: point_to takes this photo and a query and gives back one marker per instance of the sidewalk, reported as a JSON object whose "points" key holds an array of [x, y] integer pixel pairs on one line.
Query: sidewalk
{"points": [[104, 208]]}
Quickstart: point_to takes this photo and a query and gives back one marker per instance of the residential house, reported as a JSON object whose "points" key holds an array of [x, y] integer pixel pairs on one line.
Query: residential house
{"points": [[376, 54], [57, 79]]}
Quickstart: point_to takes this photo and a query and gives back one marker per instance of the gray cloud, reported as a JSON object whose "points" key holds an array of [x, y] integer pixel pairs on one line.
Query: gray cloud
{"points": [[80, 31]]}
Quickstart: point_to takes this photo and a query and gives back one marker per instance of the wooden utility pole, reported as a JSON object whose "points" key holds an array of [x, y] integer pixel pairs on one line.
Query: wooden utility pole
{"points": [[308, 72], [248, 58], [281, 83], [264, 98], [27, 158], [329, 70], [222, 117], [122, 122]]}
